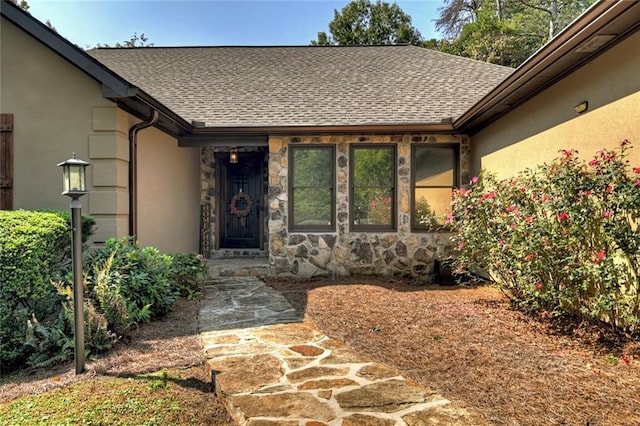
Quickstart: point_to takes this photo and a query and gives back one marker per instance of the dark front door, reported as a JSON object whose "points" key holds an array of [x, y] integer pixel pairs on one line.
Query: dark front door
{"points": [[241, 221]]}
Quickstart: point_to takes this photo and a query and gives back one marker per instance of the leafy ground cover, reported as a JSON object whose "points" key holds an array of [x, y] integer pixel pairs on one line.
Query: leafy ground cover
{"points": [[156, 377], [473, 348]]}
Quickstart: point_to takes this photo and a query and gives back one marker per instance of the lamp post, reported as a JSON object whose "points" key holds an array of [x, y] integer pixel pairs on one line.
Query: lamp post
{"points": [[74, 185]]}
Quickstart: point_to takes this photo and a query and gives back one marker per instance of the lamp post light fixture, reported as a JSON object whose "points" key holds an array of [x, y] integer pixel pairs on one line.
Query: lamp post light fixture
{"points": [[74, 185]]}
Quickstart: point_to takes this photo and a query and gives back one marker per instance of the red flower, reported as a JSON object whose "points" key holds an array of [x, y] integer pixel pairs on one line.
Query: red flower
{"points": [[563, 216], [538, 286], [599, 256], [593, 162], [607, 213], [489, 195], [637, 182], [529, 257], [609, 188], [511, 208], [461, 245], [567, 153], [449, 220], [474, 180], [636, 170], [529, 219], [626, 360]]}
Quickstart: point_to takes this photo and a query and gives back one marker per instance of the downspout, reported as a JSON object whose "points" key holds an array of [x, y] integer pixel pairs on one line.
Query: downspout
{"points": [[133, 171]]}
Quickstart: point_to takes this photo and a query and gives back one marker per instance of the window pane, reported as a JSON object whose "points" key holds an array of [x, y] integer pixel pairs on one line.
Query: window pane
{"points": [[373, 166], [373, 206], [435, 166], [312, 167], [312, 207], [431, 206]]}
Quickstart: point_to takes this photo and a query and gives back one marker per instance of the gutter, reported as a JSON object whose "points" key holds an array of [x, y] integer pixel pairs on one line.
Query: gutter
{"points": [[133, 170]]}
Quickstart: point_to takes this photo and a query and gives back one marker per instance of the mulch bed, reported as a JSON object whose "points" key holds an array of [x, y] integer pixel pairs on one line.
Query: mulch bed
{"points": [[472, 347]]}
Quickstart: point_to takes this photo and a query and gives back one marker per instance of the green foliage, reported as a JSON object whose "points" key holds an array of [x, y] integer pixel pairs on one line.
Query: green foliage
{"points": [[563, 235], [87, 226], [87, 229], [135, 41], [106, 290], [32, 245], [425, 216], [504, 32], [124, 284], [312, 184], [373, 185], [142, 276], [187, 270], [494, 40], [362, 22]]}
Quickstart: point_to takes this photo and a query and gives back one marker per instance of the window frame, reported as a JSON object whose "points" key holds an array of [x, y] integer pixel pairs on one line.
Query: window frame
{"points": [[291, 188], [392, 227], [455, 147]]}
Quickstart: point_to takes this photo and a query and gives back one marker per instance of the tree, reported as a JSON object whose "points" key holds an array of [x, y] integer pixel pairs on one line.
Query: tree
{"points": [[135, 41], [22, 4], [504, 32], [362, 22]]}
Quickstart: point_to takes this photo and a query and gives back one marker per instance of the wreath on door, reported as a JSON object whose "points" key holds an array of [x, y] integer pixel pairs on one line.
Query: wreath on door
{"points": [[245, 199]]}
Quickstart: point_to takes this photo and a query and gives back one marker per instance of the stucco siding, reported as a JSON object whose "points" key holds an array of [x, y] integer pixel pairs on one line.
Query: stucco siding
{"points": [[52, 102], [535, 131], [168, 193]]}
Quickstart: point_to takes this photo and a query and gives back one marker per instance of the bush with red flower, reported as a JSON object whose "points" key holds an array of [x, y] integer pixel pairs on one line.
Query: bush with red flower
{"points": [[562, 235]]}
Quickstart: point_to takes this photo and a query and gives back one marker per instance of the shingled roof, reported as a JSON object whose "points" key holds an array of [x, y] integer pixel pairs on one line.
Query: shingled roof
{"points": [[306, 85]]}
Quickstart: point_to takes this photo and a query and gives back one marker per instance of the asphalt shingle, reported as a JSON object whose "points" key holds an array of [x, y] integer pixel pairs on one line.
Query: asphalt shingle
{"points": [[306, 85]]}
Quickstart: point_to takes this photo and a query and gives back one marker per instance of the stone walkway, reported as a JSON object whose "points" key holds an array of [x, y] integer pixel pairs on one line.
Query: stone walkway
{"points": [[270, 367]]}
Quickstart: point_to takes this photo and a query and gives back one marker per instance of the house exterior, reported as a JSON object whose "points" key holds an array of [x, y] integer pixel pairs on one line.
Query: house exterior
{"points": [[344, 156]]}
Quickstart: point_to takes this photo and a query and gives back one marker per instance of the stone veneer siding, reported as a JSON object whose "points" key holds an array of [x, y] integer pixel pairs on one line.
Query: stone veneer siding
{"points": [[308, 254]]}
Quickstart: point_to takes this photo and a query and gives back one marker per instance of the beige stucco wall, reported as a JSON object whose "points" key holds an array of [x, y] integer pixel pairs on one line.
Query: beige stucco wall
{"points": [[535, 131], [168, 193], [58, 110], [52, 102]]}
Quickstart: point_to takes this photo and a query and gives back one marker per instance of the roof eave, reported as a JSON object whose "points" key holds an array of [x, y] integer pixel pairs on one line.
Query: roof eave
{"points": [[204, 136], [64, 48], [114, 87], [504, 97]]}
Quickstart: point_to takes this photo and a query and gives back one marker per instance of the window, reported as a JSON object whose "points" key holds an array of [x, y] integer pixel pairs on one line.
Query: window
{"points": [[312, 197], [373, 187], [435, 175]]}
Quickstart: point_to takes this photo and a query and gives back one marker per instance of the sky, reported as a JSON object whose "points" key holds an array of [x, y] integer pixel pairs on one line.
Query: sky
{"points": [[206, 22]]}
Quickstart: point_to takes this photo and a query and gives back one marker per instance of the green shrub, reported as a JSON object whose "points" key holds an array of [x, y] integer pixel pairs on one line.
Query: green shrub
{"points": [[87, 227], [143, 277], [32, 244], [563, 235], [187, 270]]}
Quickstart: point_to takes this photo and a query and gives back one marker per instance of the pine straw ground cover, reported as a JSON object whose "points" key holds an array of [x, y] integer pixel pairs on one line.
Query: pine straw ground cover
{"points": [[468, 344], [155, 377]]}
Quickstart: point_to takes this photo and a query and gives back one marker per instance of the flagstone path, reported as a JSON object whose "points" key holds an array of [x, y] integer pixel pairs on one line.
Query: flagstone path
{"points": [[270, 367]]}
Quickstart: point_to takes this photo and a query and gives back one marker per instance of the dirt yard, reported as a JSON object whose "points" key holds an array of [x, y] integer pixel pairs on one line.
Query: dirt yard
{"points": [[470, 346]]}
